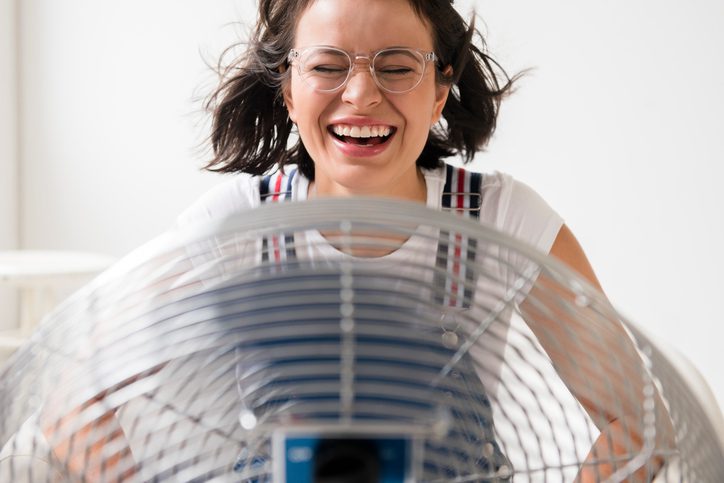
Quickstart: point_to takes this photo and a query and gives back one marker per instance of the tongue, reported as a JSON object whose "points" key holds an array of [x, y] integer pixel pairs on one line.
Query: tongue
{"points": [[372, 141]]}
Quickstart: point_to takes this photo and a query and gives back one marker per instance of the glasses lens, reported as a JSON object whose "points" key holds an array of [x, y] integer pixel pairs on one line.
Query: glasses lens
{"points": [[398, 70], [324, 69]]}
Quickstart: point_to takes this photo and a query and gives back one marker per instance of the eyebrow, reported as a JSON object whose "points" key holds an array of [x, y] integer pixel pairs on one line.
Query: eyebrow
{"points": [[400, 50], [370, 52]]}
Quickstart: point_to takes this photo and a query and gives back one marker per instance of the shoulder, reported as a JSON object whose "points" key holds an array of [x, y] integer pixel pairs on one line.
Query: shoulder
{"points": [[237, 193], [501, 193], [241, 192], [515, 208]]}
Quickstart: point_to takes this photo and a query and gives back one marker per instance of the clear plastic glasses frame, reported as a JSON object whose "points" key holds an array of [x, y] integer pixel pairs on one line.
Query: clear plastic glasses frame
{"points": [[394, 69]]}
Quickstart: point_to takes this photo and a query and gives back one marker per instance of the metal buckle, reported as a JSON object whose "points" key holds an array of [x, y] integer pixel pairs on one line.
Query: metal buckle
{"points": [[470, 196], [275, 193]]}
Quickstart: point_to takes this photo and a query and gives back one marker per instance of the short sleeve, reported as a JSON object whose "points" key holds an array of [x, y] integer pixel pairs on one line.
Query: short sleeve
{"points": [[514, 208], [239, 193]]}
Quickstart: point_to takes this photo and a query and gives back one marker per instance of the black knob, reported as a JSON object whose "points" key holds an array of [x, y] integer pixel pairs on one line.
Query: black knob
{"points": [[346, 461]]}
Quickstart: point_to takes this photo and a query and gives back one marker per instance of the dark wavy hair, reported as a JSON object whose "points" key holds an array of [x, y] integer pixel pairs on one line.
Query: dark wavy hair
{"points": [[250, 126]]}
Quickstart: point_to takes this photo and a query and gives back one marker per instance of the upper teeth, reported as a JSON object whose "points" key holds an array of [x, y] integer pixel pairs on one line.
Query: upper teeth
{"points": [[361, 131]]}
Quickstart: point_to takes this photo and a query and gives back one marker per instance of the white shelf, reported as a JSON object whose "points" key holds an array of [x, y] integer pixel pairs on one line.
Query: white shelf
{"points": [[36, 267], [43, 278]]}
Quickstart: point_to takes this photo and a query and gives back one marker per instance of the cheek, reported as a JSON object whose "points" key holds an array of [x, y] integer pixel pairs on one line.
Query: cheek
{"points": [[308, 114], [303, 105], [419, 118]]}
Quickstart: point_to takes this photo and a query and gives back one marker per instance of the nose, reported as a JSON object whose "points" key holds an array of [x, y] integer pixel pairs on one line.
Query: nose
{"points": [[361, 90]]}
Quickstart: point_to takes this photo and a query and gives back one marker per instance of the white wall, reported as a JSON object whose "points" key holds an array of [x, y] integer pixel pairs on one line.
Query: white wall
{"points": [[8, 151], [109, 128], [618, 127]]}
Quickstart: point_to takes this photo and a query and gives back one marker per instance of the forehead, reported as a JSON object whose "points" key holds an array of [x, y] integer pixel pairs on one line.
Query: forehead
{"points": [[362, 25]]}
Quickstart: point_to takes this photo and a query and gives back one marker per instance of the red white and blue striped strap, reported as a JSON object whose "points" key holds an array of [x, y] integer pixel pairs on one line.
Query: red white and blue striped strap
{"points": [[455, 252], [275, 188]]}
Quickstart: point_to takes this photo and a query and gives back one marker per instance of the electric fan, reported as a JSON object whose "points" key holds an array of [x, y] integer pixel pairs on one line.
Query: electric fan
{"points": [[339, 341]]}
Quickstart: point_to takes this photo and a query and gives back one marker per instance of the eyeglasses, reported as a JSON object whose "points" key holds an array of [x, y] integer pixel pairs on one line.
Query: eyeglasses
{"points": [[395, 69]]}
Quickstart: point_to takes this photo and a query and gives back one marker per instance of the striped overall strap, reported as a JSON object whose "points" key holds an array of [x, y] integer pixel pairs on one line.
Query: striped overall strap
{"points": [[461, 195], [276, 188], [455, 285]]}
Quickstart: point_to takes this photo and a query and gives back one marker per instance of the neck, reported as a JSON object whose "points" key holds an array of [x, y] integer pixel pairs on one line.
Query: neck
{"points": [[414, 188]]}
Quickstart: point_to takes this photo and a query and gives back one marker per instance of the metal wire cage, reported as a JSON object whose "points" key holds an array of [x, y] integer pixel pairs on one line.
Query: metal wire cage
{"points": [[308, 341]]}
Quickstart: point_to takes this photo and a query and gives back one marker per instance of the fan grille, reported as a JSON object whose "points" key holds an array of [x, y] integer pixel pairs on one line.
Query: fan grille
{"points": [[182, 361]]}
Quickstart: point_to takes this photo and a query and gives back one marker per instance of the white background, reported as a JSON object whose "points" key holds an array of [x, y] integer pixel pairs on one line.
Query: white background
{"points": [[618, 125]]}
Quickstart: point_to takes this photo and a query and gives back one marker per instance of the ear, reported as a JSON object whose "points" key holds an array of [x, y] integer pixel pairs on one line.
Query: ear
{"points": [[288, 102], [441, 93], [287, 95]]}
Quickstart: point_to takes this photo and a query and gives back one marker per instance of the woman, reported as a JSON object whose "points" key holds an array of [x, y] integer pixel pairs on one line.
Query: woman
{"points": [[379, 93]]}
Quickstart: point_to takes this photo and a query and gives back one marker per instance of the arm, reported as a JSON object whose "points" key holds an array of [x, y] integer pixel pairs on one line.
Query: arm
{"points": [[95, 451], [589, 353], [89, 441]]}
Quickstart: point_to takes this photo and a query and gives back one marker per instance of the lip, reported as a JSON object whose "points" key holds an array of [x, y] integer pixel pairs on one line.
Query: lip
{"points": [[355, 150], [358, 151]]}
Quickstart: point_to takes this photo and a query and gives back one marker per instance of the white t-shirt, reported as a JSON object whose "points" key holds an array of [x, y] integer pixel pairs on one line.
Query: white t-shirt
{"points": [[507, 204]]}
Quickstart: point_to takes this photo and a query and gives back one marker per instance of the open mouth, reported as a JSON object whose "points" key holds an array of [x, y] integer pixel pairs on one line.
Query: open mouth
{"points": [[363, 135]]}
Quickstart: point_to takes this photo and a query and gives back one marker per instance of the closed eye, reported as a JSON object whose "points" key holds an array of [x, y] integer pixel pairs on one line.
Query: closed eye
{"points": [[395, 71], [328, 69]]}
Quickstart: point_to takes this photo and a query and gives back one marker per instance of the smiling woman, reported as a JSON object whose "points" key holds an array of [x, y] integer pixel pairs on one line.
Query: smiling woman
{"points": [[325, 69], [342, 167]]}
